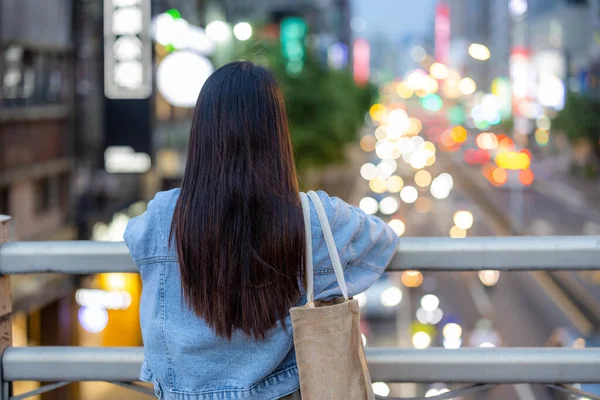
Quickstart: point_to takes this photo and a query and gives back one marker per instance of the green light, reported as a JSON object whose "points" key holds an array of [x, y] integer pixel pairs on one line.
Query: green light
{"points": [[456, 115], [175, 14], [292, 34], [432, 102], [293, 28], [482, 125]]}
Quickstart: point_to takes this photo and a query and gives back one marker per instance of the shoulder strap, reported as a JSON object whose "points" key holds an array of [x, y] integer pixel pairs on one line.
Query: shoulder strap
{"points": [[333, 253]]}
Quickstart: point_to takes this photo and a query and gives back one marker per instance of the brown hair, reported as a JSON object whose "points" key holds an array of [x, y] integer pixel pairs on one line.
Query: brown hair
{"points": [[238, 228]]}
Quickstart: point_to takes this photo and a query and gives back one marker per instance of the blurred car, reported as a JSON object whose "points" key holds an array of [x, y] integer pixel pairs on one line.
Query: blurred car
{"points": [[381, 299]]}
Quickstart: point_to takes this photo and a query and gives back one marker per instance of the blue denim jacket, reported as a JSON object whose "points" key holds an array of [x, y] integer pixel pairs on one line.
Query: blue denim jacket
{"points": [[185, 360]]}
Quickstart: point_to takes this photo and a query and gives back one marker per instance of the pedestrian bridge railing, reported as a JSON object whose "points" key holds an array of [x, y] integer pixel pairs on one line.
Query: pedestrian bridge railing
{"points": [[477, 367]]}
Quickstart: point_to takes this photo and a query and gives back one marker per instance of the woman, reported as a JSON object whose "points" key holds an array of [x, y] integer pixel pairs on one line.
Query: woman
{"points": [[221, 258]]}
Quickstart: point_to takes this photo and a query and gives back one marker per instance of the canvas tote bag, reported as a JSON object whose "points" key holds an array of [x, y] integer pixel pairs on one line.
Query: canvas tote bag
{"points": [[329, 348]]}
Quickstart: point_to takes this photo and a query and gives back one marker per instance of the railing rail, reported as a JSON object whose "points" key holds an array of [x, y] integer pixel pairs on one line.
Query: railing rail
{"points": [[427, 254], [549, 366], [467, 365]]}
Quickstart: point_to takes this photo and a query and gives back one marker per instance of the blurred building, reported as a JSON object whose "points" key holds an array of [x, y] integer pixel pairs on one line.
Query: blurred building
{"points": [[475, 21]]}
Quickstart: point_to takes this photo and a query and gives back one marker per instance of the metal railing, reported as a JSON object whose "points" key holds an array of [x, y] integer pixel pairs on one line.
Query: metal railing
{"points": [[552, 366]]}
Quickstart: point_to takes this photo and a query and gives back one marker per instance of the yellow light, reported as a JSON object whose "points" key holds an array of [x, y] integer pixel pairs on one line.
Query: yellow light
{"points": [[467, 86], [421, 340], [377, 185], [542, 137], [421, 92], [457, 233], [452, 330], [397, 226], [414, 127], [381, 133], [394, 184], [459, 134], [479, 52], [378, 112], [412, 279], [463, 219], [367, 143], [430, 161], [428, 148], [422, 178], [438, 71], [116, 281], [404, 91], [513, 160], [430, 84]]}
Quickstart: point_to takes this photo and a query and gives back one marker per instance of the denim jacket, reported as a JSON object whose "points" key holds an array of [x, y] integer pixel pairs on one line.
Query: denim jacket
{"points": [[186, 360]]}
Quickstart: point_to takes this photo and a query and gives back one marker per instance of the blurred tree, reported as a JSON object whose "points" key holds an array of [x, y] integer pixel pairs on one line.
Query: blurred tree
{"points": [[579, 120], [325, 107]]}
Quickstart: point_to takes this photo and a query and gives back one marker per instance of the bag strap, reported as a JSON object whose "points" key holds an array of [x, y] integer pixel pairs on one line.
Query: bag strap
{"points": [[331, 247], [308, 260]]}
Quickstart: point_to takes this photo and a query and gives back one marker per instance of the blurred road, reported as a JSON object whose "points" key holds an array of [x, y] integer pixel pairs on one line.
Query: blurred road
{"points": [[521, 311]]}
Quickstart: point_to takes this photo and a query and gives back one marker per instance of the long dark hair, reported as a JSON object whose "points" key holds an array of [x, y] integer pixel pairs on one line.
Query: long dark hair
{"points": [[238, 227]]}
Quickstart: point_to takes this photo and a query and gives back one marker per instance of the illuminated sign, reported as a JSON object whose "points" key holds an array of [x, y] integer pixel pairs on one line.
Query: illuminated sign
{"points": [[361, 53], [127, 49], [442, 33]]}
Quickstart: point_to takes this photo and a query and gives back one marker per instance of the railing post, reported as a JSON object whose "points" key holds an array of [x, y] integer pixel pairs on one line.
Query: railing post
{"points": [[5, 311]]}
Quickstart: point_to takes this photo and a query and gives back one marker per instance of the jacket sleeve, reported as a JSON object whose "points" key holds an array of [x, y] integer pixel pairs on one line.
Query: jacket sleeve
{"points": [[365, 243], [145, 236]]}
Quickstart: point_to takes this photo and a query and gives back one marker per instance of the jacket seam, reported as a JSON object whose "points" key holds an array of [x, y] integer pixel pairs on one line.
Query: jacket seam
{"points": [[162, 326], [366, 266], [361, 226], [156, 260], [236, 389]]}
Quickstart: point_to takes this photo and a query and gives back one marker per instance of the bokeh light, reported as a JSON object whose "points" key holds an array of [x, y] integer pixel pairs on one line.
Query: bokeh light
{"points": [[499, 176], [467, 86], [367, 143], [404, 91], [487, 141], [391, 297], [489, 277], [394, 184], [412, 279], [378, 112], [526, 177], [452, 330], [463, 219], [430, 302], [542, 137], [388, 205], [397, 226], [432, 102], [457, 233], [479, 52], [368, 171], [438, 71], [377, 185], [421, 340], [242, 31], [423, 178], [369, 205], [409, 194], [381, 389], [381, 133], [459, 134]]}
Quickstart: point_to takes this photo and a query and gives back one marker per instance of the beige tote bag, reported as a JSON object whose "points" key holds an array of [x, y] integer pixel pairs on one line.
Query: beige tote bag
{"points": [[329, 349]]}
